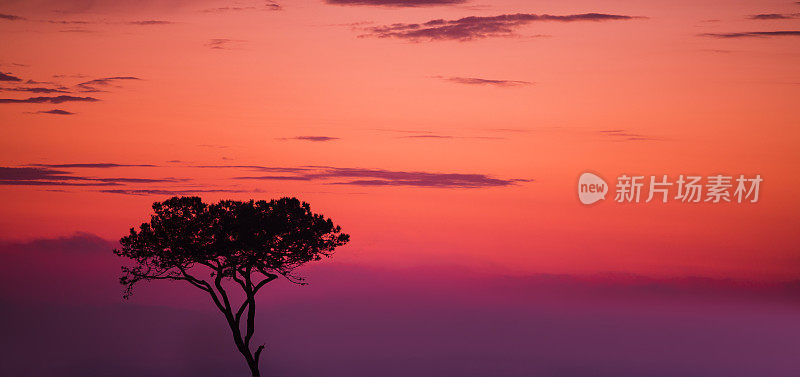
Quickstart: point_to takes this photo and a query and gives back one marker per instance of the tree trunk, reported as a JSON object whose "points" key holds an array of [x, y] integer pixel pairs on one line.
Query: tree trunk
{"points": [[244, 349], [249, 357], [254, 368]]}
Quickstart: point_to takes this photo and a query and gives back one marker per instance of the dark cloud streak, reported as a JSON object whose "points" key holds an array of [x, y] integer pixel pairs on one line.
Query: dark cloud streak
{"points": [[34, 90], [447, 137], [481, 81], [754, 34], [153, 192], [311, 138], [150, 22], [92, 85], [7, 77], [56, 112], [55, 100], [379, 177], [101, 165], [222, 43], [47, 176], [773, 16], [11, 17], [255, 168], [623, 135], [396, 3], [77, 30], [59, 174], [475, 27], [28, 176]]}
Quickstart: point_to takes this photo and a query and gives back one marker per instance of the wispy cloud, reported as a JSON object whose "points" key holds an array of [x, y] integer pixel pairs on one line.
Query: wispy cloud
{"points": [[10, 17], [64, 174], [77, 30], [55, 112], [29, 176], [48, 87], [379, 177], [717, 50], [8, 77], [31, 81], [625, 135], [151, 192], [6, 182], [35, 90], [67, 22], [471, 28], [754, 34], [268, 5], [227, 9], [96, 165], [310, 138], [92, 85], [30, 173], [223, 43], [79, 76], [271, 5], [396, 3], [257, 168], [773, 16], [150, 22], [482, 81], [139, 180], [56, 100], [426, 134], [47, 176]]}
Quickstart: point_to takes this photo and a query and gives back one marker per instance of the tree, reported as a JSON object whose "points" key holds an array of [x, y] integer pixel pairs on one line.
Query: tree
{"points": [[240, 244]]}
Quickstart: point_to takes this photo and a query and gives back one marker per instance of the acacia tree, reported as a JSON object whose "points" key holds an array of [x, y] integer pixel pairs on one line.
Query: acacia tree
{"points": [[230, 243]]}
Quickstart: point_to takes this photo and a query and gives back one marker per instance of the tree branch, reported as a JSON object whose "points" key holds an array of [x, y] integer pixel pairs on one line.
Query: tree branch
{"points": [[223, 293], [246, 288], [202, 284], [239, 312], [251, 318], [269, 278], [257, 355]]}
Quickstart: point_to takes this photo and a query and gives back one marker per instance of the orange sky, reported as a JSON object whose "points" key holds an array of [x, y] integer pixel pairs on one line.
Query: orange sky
{"points": [[691, 91]]}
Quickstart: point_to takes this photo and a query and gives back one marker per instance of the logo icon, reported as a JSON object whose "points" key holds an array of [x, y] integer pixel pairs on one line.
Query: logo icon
{"points": [[591, 188]]}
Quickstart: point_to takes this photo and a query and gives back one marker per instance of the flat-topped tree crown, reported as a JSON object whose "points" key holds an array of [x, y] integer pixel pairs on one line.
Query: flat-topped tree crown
{"points": [[230, 237], [251, 243]]}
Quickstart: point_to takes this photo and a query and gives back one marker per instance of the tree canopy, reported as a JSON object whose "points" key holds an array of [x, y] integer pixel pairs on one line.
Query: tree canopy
{"points": [[230, 237], [250, 243]]}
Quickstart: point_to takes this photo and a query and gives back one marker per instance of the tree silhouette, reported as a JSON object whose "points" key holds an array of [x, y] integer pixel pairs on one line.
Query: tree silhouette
{"points": [[249, 243]]}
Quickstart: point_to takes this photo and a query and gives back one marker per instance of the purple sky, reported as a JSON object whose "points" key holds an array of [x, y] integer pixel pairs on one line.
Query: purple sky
{"points": [[67, 318]]}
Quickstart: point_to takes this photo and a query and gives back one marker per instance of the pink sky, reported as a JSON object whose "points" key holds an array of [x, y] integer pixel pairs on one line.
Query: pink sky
{"points": [[703, 88]]}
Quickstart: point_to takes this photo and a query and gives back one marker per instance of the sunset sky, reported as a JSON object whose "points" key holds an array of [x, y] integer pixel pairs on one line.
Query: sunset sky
{"points": [[447, 138], [244, 99], [525, 104]]}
